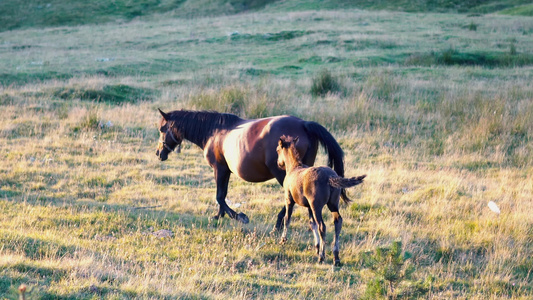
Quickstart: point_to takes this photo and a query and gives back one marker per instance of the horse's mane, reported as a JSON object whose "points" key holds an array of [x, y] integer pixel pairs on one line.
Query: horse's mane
{"points": [[199, 126]]}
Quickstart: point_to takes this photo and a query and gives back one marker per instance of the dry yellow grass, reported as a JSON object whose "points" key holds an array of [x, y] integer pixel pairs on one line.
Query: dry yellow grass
{"points": [[82, 192]]}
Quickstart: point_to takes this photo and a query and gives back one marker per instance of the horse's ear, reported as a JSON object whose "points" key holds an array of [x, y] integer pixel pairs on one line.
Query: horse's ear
{"points": [[295, 140], [165, 116]]}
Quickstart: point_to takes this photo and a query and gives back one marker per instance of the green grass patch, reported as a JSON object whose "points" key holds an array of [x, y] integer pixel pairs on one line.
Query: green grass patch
{"points": [[452, 57], [28, 13], [110, 94], [270, 37], [8, 79], [524, 10]]}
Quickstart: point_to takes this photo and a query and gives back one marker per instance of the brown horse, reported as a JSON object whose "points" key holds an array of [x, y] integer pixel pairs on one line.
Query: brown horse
{"points": [[312, 187], [246, 148]]}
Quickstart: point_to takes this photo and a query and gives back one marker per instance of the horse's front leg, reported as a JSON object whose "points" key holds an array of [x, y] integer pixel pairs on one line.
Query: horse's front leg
{"points": [[222, 180]]}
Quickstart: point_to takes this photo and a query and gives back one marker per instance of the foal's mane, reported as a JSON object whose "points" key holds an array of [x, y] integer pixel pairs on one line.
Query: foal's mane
{"points": [[295, 155], [199, 126]]}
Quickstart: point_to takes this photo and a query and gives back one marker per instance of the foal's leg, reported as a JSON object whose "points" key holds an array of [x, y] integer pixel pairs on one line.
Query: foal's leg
{"points": [[289, 207], [337, 221], [317, 213], [314, 227]]}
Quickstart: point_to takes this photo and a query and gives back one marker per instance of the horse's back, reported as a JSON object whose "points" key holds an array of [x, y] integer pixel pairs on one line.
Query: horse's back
{"points": [[250, 148]]}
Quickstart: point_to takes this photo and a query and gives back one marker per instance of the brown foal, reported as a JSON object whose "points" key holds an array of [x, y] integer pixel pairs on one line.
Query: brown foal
{"points": [[312, 187]]}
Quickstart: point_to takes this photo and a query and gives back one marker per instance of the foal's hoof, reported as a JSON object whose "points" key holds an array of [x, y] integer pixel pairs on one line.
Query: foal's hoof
{"points": [[243, 218], [337, 263]]}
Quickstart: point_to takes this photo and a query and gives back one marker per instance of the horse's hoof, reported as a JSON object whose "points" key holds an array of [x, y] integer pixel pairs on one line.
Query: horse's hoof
{"points": [[243, 218], [337, 263], [283, 241]]}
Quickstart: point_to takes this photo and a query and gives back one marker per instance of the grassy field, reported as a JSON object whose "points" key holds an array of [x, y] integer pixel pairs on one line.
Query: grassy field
{"points": [[436, 109]]}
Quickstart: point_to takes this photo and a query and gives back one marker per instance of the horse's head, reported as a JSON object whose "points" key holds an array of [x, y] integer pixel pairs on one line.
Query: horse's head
{"points": [[169, 137], [286, 151]]}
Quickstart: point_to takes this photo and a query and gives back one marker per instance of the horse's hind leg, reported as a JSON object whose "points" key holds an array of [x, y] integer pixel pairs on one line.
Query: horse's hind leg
{"points": [[222, 180], [280, 176], [337, 221], [279, 222], [314, 227]]}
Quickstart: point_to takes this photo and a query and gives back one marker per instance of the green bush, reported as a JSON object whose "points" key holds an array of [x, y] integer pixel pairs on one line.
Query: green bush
{"points": [[390, 267], [324, 83]]}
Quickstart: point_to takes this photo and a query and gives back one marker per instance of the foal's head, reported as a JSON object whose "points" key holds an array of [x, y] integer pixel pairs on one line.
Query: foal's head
{"points": [[287, 153], [169, 137]]}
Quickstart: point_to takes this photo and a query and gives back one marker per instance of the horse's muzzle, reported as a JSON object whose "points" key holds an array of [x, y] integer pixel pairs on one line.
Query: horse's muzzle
{"points": [[162, 155]]}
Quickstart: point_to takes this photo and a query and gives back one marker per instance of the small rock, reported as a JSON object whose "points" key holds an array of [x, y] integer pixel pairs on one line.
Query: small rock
{"points": [[163, 233], [104, 238]]}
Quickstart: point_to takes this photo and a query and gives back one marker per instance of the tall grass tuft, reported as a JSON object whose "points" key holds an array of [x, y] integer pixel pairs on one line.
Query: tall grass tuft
{"points": [[89, 121], [472, 26], [325, 83], [512, 49], [239, 100]]}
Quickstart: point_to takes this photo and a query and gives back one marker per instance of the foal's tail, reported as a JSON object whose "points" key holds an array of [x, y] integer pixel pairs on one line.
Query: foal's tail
{"points": [[333, 150], [344, 183]]}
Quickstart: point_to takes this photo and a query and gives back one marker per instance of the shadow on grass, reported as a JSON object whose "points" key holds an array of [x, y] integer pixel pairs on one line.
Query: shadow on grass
{"points": [[9, 290], [31, 273]]}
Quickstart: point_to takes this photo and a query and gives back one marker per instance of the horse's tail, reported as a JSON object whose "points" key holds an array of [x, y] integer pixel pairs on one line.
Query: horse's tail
{"points": [[333, 150], [344, 183]]}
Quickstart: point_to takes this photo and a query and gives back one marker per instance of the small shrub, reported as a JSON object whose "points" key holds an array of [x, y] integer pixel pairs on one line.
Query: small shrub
{"points": [[89, 121], [375, 289], [390, 267], [324, 83], [512, 49], [472, 26]]}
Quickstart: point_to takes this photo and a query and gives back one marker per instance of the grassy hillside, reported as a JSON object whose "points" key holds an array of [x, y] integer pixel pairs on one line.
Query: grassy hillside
{"points": [[436, 109], [31, 13], [34, 13]]}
